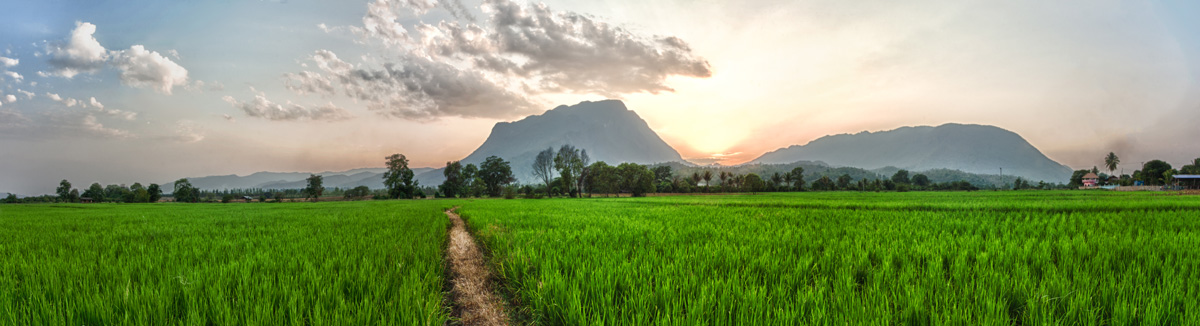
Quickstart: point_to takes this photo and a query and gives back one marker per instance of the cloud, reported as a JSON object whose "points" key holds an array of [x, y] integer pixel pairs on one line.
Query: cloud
{"points": [[149, 69], [415, 88], [81, 53], [69, 102], [498, 70], [14, 75], [10, 98], [28, 94], [139, 67], [57, 124], [9, 62], [261, 107]]}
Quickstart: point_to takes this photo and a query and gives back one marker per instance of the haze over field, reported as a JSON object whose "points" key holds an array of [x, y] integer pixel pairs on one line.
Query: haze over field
{"points": [[151, 91]]}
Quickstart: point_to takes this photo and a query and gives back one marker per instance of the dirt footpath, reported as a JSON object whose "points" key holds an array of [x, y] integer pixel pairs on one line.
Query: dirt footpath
{"points": [[475, 302]]}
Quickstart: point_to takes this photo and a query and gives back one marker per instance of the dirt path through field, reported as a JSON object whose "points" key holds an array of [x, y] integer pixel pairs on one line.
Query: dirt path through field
{"points": [[475, 302]]}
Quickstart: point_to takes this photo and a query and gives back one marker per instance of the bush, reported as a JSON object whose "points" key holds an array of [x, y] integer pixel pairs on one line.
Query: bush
{"points": [[902, 187]]}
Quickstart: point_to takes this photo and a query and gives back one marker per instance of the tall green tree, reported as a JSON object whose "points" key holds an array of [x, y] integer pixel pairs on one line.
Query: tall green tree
{"points": [[602, 178], [155, 192], [95, 192], [496, 174], [399, 178], [316, 187], [64, 191], [901, 177], [474, 184], [1111, 161], [1193, 168], [543, 168], [920, 180], [184, 192], [569, 164], [752, 183], [797, 176], [455, 184], [1153, 172], [636, 178], [707, 179], [843, 182], [138, 194]]}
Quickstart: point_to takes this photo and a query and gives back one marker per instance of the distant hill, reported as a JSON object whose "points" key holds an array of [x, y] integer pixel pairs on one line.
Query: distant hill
{"points": [[975, 149], [815, 170], [608, 130], [370, 177]]}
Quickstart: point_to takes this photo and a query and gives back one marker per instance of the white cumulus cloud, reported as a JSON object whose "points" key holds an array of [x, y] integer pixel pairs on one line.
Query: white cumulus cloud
{"points": [[80, 53], [9, 62], [142, 68]]}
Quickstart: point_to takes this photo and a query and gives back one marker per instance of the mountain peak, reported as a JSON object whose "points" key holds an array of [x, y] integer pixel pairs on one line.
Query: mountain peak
{"points": [[607, 129], [967, 147]]}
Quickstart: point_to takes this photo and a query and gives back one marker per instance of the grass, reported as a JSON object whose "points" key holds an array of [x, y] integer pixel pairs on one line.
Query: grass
{"points": [[349, 263], [982, 258]]}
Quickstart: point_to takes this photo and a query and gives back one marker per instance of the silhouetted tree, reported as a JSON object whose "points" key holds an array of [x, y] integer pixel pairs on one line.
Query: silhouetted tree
{"points": [[495, 173], [797, 176], [1111, 161], [64, 191], [1153, 172], [752, 183], [543, 168], [455, 184], [399, 178], [901, 177], [316, 187], [155, 192]]}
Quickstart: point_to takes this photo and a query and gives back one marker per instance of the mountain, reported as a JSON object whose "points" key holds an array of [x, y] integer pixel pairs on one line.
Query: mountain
{"points": [[977, 149], [370, 177], [608, 130]]}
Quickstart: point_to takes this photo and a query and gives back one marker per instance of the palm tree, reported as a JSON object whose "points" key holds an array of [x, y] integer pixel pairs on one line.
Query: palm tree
{"points": [[707, 178], [724, 176], [1111, 162]]}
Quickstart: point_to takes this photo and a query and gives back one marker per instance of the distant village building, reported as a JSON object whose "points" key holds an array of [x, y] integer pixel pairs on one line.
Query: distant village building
{"points": [[86, 200], [1188, 181], [1091, 180]]}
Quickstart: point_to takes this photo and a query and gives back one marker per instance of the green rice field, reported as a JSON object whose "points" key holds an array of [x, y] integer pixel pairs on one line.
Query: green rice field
{"points": [[817, 258], [982, 258], [352, 263]]}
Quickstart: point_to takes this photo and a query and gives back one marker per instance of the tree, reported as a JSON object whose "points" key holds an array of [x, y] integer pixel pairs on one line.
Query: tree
{"points": [[455, 184], [316, 187], [662, 173], [137, 194], [569, 163], [399, 178], [474, 185], [358, 193], [1111, 161], [495, 173], [115, 192], [753, 183], [824, 183], [64, 191], [707, 179], [901, 177], [920, 180], [184, 192], [1153, 172], [543, 167], [843, 182], [797, 176], [602, 178], [724, 176], [95, 192], [155, 192], [584, 161], [636, 178], [776, 179], [1193, 168]]}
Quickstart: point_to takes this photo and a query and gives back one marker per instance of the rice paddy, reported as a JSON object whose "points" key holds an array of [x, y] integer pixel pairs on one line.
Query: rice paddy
{"points": [[826, 258], [354, 263], [991, 258]]}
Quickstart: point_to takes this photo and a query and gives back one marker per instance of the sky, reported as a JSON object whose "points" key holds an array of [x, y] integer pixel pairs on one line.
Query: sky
{"points": [[118, 92]]}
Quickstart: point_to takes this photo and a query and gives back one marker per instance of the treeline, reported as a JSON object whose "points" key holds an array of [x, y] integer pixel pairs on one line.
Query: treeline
{"points": [[1152, 173]]}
